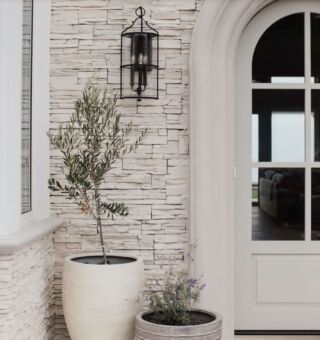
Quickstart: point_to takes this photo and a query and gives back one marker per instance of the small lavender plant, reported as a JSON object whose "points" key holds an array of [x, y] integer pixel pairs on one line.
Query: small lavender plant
{"points": [[172, 306]]}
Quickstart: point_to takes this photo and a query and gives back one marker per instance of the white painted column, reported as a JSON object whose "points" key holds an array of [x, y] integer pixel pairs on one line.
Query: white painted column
{"points": [[10, 114], [40, 109]]}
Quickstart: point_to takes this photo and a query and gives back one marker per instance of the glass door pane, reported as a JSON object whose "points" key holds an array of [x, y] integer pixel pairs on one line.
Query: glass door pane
{"points": [[278, 207], [315, 47], [315, 125], [287, 136], [315, 204], [278, 126]]}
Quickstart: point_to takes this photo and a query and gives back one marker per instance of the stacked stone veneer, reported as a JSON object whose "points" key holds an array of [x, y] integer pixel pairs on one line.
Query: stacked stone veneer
{"points": [[154, 181], [26, 292]]}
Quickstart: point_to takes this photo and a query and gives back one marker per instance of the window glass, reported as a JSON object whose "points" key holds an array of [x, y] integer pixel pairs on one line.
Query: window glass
{"points": [[315, 204], [278, 204], [26, 107], [315, 48], [315, 125], [287, 136], [255, 137], [279, 54], [278, 126]]}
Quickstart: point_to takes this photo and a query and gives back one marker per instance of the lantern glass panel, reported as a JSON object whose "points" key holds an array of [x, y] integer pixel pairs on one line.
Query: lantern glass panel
{"points": [[139, 64]]}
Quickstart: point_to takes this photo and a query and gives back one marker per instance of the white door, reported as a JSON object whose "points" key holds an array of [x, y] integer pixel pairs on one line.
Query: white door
{"points": [[277, 203]]}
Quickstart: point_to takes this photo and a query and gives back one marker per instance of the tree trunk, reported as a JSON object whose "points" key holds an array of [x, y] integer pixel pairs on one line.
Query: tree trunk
{"points": [[101, 240]]}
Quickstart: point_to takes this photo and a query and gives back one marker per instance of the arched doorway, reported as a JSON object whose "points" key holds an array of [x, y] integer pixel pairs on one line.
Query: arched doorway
{"points": [[213, 78], [276, 156]]}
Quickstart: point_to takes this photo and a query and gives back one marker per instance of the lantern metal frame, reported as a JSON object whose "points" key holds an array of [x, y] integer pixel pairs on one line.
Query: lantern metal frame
{"points": [[140, 68]]}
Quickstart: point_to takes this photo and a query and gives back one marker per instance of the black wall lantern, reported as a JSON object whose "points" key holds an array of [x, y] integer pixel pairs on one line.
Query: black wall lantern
{"points": [[139, 69]]}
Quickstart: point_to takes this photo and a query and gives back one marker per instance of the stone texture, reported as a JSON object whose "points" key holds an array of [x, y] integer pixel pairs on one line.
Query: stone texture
{"points": [[153, 182], [26, 292]]}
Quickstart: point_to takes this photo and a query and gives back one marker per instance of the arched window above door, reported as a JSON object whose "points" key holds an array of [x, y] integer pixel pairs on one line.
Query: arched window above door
{"points": [[279, 55]]}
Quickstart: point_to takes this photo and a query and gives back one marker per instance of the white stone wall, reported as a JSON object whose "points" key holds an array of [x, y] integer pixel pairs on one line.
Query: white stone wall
{"points": [[26, 292], [153, 182]]}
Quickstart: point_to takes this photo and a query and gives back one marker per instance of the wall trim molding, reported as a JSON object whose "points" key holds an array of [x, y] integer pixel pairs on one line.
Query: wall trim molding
{"points": [[212, 70], [29, 233]]}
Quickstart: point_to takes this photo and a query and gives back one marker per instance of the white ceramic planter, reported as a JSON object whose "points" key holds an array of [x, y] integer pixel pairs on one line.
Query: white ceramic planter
{"points": [[211, 330], [100, 302]]}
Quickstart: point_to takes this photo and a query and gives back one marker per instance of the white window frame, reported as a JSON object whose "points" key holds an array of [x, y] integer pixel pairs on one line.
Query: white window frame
{"points": [[11, 219]]}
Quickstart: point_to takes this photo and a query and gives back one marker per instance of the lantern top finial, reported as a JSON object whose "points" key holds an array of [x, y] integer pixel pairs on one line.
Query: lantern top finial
{"points": [[140, 12], [140, 24]]}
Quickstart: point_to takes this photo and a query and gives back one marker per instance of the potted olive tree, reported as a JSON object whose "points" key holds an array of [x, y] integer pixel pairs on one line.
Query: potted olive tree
{"points": [[171, 315], [100, 292]]}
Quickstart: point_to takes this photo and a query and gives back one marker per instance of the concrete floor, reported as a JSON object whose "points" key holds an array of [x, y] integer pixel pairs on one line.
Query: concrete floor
{"points": [[274, 337]]}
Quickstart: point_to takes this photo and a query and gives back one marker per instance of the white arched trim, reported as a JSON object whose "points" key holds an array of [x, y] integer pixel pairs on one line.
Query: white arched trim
{"points": [[212, 69]]}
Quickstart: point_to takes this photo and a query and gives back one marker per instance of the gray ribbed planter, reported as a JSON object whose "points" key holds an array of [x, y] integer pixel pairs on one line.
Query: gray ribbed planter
{"points": [[146, 330]]}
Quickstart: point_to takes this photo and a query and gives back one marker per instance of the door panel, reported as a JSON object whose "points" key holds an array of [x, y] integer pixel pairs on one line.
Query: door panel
{"points": [[288, 278]]}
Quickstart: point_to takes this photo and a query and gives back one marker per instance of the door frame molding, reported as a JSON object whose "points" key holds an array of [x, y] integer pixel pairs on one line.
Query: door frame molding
{"points": [[213, 80]]}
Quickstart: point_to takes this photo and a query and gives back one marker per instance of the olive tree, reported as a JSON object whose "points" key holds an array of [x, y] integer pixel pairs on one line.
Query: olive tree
{"points": [[90, 142]]}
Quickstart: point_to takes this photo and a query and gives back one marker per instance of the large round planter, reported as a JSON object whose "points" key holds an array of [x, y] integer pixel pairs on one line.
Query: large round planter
{"points": [[100, 302], [211, 330]]}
